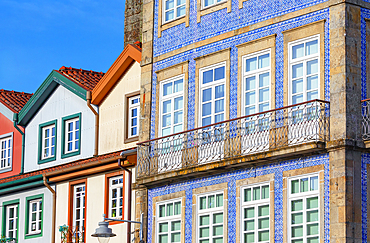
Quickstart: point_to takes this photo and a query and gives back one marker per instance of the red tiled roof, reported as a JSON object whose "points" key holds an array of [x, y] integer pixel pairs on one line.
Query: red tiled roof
{"points": [[114, 155], [14, 100], [86, 79]]}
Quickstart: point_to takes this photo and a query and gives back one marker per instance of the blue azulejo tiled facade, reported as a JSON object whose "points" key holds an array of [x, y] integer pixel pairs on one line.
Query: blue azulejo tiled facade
{"points": [[274, 29], [231, 178]]}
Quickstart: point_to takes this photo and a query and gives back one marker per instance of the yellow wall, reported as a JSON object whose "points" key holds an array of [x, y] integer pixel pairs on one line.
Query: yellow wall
{"points": [[113, 115]]}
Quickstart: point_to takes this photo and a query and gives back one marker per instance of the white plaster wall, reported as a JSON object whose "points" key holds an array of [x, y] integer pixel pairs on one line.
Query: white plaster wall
{"points": [[61, 217], [47, 213], [60, 104], [113, 115]]}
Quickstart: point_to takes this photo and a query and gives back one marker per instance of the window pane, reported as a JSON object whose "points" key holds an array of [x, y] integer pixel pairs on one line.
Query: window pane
{"points": [[218, 230], [249, 238], [219, 91], [207, 95], [250, 110], [250, 83], [298, 51], [312, 202], [263, 210], [169, 4], [256, 193], [206, 121], [312, 47], [297, 70], [219, 106], [208, 3], [204, 241], [247, 195], [304, 184], [177, 208], [297, 218], [178, 84], [264, 79], [314, 183], [248, 213], [313, 240], [167, 88], [297, 205], [297, 231], [162, 212], [297, 86], [204, 232], [179, 2], [204, 220], [166, 120], [265, 192], [263, 236], [175, 237], [312, 95], [211, 201], [206, 109], [163, 239], [207, 76], [312, 82], [178, 103], [177, 129], [167, 106], [175, 226], [313, 216], [203, 202], [170, 209], [297, 99], [250, 98], [218, 218], [163, 227], [264, 61], [263, 223], [166, 131], [219, 73], [134, 112], [219, 200], [312, 67], [264, 95], [218, 240], [313, 229], [248, 225], [251, 64]]}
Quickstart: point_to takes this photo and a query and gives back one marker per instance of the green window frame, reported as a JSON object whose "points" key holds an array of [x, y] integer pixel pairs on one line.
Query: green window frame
{"points": [[42, 126], [5, 206], [66, 154], [27, 216]]}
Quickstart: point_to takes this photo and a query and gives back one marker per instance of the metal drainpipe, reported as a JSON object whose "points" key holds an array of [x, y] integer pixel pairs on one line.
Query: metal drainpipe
{"points": [[124, 156], [88, 99], [15, 123], [54, 209]]}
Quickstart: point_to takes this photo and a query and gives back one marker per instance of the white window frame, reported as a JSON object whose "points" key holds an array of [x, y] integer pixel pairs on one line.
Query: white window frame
{"points": [[15, 219], [171, 97], [168, 219], [82, 208], [211, 5], [74, 131], [38, 219], [132, 107], [304, 61], [175, 8], [254, 204], [211, 85], [118, 186], [43, 139], [210, 212], [304, 196], [6, 151], [256, 74]]}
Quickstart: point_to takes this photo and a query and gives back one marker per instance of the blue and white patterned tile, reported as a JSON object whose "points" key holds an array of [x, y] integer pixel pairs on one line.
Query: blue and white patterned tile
{"points": [[231, 177]]}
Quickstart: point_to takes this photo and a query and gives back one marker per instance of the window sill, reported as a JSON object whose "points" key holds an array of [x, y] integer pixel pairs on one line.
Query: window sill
{"points": [[67, 155], [132, 139], [5, 170], [33, 235], [42, 161]]}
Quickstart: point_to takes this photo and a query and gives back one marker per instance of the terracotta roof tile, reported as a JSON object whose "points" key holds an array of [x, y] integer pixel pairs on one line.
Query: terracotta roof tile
{"points": [[14, 100], [86, 79]]}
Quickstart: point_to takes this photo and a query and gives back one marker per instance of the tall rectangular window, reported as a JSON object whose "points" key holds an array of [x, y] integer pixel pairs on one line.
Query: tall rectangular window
{"points": [[72, 135], [11, 221], [48, 141], [134, 115], [35, 216], [255, 213], [79, 206], [169, 222], [210, 218], [212, 94], [116, 196], [304, 209], [172, 106], [6, 152], [304, 69], [256, 82], [173, 9]]}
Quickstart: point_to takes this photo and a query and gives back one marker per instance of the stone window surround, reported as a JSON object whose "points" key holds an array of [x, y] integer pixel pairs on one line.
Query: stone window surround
{"points": [[167, 197], [305, 31], [209, 189], [301, 172], [165, 74], [171, 23], [270, 178], [205, 61], [248, 48]]}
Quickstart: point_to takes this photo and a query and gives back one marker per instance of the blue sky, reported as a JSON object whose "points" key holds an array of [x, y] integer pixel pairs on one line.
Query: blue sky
{"points": [[37, 36]]}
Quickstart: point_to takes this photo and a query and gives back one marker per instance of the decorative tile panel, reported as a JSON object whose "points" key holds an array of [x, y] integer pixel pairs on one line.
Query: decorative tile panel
{"points": [[365, 160], [231, 177], [365, 14]]}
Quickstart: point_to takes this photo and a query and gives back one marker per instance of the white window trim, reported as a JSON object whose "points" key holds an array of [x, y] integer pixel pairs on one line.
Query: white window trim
{"points": [[211, 85], [167, 219], [130, 108], [2, 138], [174, 11], [203, 7], [15, 218], [303, 196], [171, 97], [210, 212], [111, 187], [38, 210], [255, 204], [303, 60], [255, 73], [82, 207], [50, 144], [74, 140]]}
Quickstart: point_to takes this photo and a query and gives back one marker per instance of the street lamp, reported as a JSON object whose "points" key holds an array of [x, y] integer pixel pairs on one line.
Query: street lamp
{"points": [[104, 233]]}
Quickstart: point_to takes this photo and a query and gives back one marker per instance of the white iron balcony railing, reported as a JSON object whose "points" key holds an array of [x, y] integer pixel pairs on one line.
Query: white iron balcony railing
{"points": [[366, 119], [72, 234], [286, 126]]}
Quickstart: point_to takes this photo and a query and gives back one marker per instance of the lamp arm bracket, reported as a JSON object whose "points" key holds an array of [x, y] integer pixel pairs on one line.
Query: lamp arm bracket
{"points": [[120, 220]]}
